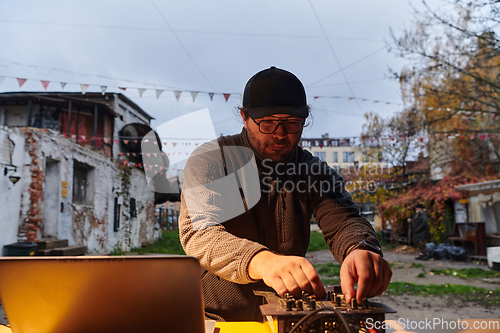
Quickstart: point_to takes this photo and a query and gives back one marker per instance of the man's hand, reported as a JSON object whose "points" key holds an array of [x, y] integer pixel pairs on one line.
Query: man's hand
{"points": [[369, 270], [286, 274]]}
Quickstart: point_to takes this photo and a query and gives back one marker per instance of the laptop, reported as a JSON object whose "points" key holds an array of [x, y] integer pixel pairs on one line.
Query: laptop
{"points": [[102, 294]]}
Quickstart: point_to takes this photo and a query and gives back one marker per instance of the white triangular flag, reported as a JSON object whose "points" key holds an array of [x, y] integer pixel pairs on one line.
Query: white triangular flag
{"points": [[158, 93], [241, 98], [194, 94], [1, 79], [63, 84], [141, 91], [177, 94], [84, 88], [103, 89]]}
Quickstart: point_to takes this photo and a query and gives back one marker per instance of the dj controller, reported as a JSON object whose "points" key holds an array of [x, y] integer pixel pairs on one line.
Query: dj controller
{"points": [[329, 315]]}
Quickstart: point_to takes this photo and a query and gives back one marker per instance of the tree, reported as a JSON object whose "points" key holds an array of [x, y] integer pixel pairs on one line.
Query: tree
{"points": [[392, 146], [454, 84]]}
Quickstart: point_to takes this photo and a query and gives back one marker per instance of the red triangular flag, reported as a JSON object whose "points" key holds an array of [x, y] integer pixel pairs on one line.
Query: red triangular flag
{"points": [[45, 84], [21, 82], [226, 96], [122, 88]]}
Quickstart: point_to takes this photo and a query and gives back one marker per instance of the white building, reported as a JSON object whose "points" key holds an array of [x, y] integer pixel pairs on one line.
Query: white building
{"points": [[339, 153], [77, 182]]}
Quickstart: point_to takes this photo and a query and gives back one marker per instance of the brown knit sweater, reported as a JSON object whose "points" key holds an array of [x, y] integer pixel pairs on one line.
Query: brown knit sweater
{"points": [[280, 221]]}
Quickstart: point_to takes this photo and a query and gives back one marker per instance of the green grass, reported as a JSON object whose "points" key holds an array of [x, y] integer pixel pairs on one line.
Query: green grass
{"points": [[169, 243], [466, 273], [421, 275], [467, 293], [328, 270], [317, 242], [417, 265], [327, 282]]}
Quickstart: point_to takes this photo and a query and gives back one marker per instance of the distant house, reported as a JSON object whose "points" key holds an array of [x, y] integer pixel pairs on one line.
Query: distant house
{"points": [[483, 205], [339, 153], [79, 180]]}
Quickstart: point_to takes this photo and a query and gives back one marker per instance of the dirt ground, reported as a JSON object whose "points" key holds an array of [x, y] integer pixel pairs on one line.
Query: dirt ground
{"points": [[416, 307]]}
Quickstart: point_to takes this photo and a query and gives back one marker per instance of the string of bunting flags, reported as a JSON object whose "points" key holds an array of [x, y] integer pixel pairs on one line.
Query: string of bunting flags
{"points": [[84, 88], [194, 94]]}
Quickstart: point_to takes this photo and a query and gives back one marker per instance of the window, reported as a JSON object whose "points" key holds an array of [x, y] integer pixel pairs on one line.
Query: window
{"points": [[83, 184], [320, 154], [335, 157], [133, 209], [348, 157]]}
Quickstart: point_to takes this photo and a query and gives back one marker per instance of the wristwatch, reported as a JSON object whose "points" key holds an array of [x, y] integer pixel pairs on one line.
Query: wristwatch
{"points": [[366, 245]]}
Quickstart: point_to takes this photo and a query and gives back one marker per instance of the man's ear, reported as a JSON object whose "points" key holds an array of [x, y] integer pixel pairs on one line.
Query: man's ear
{"points": [[245, 119]]}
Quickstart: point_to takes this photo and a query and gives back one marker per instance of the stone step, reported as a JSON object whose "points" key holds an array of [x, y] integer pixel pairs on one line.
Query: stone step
{"points": [[75, 250], [46, 244]]}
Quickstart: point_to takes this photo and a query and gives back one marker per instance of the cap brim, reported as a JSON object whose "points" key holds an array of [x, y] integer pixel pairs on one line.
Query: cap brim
{"points": [[263, 111]]}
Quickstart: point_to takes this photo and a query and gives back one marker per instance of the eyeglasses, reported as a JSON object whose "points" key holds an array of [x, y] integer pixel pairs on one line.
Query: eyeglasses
{"points": [[271, 126]]}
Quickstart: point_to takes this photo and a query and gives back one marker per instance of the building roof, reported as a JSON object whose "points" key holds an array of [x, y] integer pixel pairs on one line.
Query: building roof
{"points": [[79, 98], [483, 187]]}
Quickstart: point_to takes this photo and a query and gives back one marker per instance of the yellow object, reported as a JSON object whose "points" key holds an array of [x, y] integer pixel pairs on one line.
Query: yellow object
{"points": [[227, 327], [64, 184], [64, 193], [464, 201], [238, 327]]}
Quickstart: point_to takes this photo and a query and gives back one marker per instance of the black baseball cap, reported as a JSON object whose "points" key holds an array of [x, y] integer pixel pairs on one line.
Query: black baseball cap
{"points": [[275, 91]]}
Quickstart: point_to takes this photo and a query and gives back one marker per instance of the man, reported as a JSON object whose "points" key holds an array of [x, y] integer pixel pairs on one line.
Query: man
{"points": [[266, 243], [419, 232]]}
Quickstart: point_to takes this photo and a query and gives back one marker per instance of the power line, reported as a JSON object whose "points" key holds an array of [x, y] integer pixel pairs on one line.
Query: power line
{"points": [[334, 54], [74, 73], [249, 34], [340, 112], [350, 65], [352, 82], [181, 44]]}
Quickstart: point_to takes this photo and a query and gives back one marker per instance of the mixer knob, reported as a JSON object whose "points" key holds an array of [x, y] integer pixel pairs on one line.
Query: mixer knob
{"points": [[289, 305], [364, 303]]}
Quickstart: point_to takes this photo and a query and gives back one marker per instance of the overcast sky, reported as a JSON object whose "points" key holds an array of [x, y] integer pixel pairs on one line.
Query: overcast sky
{"points": [[337, 48]]}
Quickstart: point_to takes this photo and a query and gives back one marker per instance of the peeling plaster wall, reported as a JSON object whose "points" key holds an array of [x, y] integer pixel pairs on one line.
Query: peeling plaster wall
{"points": [[10, 194], [89, 224]]}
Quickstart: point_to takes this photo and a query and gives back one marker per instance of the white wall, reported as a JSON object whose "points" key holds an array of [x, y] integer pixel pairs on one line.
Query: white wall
{"points": [[90, 225], [10, 194]]}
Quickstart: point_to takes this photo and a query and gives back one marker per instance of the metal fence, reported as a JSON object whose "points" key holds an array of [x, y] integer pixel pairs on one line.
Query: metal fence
{"points": [[168, 219]]}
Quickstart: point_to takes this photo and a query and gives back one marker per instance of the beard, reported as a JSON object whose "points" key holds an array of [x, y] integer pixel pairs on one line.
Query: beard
{"points": [[273, 149]]}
